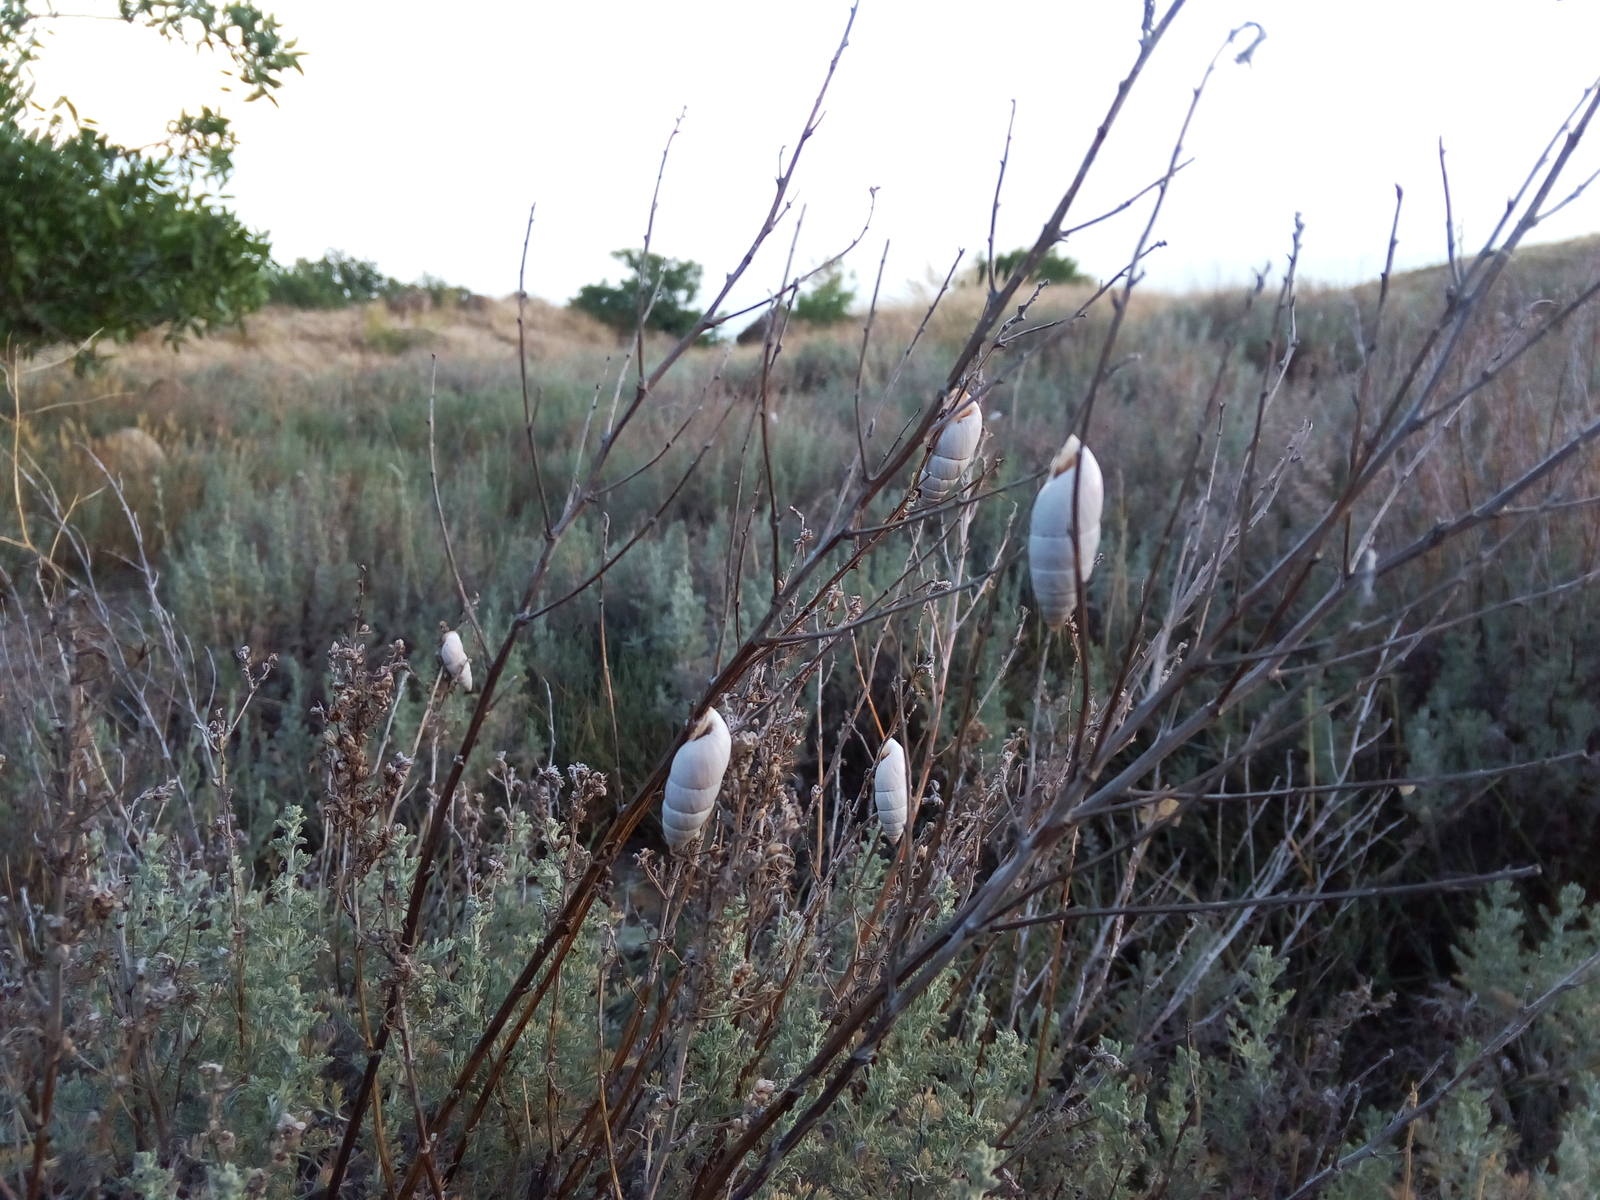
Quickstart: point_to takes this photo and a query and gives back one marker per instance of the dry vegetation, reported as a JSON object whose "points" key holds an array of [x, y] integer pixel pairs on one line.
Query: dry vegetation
{"points": [[1225, 890]]}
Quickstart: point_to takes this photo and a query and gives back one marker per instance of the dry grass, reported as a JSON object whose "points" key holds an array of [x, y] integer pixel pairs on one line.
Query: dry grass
{"points": [[363, 335]]}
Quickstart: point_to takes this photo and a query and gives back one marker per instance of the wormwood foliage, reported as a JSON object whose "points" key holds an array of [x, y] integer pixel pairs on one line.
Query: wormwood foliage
{"points": [[220, 863], [221, 1019], [1471, 1146], [324, 925], [216, 1002], [224, 894]]}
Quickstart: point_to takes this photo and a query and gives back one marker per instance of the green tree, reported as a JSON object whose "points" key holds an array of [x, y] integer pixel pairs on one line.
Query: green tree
{"points": [[332, 281], [100, 239], [1054, 268], [666, 285], [828, 302]]}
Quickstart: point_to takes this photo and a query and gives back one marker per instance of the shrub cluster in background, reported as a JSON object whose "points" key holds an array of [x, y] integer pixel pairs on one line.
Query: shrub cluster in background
{"points": [[213, 939], [664, 287], [332, 281], [668, 287], [1055, 267], [337, 280], [827, 301]]}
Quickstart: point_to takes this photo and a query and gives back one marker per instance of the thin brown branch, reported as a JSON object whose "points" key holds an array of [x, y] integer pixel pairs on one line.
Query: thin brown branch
{"points": [[1287, 900], [999, 182]]}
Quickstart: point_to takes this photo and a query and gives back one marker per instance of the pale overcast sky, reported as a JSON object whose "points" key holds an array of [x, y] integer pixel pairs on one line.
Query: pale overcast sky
{"points": [[420, 133]]}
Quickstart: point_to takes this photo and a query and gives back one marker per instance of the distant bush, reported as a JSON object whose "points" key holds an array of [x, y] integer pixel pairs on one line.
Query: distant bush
{"points": [[667, 285], [828, 302], [442, 294], [335, 280], [393, 339], [1055, 268]]}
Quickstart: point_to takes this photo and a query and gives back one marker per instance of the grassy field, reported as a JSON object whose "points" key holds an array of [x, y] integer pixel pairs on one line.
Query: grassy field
{"points": [[295, 478], [290, 510]]}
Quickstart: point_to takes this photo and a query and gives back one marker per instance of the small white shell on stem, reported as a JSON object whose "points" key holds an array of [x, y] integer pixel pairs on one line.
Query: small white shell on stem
{"points": [[889, 784], [453, 655], [1059, 551], [695, 780], [953, 450]]}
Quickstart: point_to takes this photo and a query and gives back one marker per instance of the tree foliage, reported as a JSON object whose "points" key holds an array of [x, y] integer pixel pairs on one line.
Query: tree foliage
{"points": [[251, 37], [828, 302], [332, 281], [98, 240], [337, 280], [664, 287], [102, 239], [1054, 268]]}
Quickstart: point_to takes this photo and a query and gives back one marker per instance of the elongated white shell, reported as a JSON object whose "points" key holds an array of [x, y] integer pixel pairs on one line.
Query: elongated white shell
{"points": [[695, 780], [1057, 553], [889, 782], [952, 452], [454, 657]]}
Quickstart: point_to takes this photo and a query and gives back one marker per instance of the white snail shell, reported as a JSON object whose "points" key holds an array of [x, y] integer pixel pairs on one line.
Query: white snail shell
{"points": [[1058, 554], [889, 783], [456, 664], [952, 451], [695, 780]]}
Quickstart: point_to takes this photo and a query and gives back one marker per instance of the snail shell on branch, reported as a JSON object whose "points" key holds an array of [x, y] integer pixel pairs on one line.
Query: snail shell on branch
{"points": [[952, 451], [695, 780], [453, 655], [889, 784], [1059, 553]]}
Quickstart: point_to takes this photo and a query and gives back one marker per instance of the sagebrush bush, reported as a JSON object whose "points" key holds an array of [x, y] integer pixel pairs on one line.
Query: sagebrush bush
{"points": [[293, 507]]}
